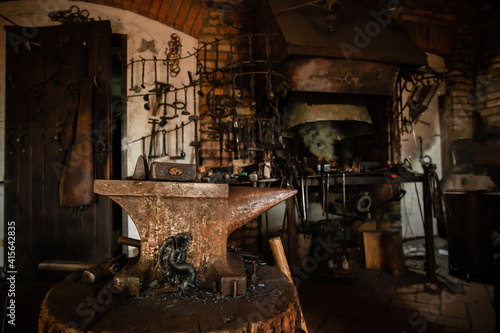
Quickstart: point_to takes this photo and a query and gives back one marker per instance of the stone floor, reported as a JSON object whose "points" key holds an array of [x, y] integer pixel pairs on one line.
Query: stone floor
{"points": [[371, 302], [375, 301]]}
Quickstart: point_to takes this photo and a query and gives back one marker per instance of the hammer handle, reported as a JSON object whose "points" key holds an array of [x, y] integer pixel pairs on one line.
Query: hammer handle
{"points": [[129, 241], [63, 265], [282, 264]]}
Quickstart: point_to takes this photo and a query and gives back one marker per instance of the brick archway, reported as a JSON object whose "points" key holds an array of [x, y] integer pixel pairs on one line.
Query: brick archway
{"points": [[187, 16]]}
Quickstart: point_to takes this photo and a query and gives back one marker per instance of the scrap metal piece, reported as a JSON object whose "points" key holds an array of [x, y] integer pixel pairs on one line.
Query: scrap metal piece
{"points": [[105, 269], [208, 212], [141, 171]]}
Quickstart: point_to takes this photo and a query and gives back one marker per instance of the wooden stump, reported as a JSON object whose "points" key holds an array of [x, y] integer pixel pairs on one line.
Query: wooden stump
{"points": [[270, 305]]}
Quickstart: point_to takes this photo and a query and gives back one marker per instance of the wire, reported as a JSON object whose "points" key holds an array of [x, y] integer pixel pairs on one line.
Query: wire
{"points": [[166, 131]]}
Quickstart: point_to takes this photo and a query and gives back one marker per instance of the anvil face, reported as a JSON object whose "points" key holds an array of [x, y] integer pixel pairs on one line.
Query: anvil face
{"points": [[206, 212]]}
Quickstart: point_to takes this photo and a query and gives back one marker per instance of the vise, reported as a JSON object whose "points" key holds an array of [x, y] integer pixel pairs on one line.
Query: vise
{"points": [[192, 219]]}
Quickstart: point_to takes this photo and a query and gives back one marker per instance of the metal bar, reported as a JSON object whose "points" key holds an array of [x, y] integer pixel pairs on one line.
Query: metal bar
{"points": [[64, 265], [129, 241], [430, 260], [365, 179]]}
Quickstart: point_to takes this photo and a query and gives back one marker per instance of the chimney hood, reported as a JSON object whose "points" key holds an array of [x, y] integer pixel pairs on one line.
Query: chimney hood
{"points": [[362, 53], [358, 33]]}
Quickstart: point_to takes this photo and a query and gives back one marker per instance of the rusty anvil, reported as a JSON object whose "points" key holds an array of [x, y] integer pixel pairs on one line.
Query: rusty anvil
{"points": [[208, 212]]}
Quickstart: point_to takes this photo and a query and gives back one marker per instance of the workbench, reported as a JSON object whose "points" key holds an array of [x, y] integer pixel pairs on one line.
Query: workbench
{"points": [[388, 177], [367, 178]]}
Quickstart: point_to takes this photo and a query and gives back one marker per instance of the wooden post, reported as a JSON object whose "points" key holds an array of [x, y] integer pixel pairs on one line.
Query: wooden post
{"points": [[292, 232]]}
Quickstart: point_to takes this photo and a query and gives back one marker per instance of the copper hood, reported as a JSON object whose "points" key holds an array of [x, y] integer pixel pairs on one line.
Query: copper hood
{"points": [[306, 107]]}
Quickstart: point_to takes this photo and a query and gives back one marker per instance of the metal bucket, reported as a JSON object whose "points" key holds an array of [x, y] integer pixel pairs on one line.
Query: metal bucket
{"points": [[468, 231]]}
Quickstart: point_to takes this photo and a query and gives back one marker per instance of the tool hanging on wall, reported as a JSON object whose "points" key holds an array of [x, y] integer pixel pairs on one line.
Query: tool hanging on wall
{"points": [[164, 143], [196, 144], [146, 105], [143, 61], [143, 139], [177, 156], [152, 142], [134, 88], [183, 154], [185, 112], [177, 105]]}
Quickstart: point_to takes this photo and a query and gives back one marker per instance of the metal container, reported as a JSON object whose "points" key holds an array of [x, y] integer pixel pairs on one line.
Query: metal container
{"points": [[468, 231]]}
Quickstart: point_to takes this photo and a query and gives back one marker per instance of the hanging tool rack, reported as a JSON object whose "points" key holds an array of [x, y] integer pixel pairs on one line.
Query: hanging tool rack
{"points": [[170, 110], [421, 87], [237, 83]]}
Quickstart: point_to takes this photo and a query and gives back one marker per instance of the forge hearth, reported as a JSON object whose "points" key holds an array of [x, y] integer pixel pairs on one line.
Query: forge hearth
{"points": [[184, 279]]}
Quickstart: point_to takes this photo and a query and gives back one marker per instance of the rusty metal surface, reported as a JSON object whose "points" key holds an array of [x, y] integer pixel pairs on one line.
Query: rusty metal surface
{"points": [[207, 212], [177, 172], [161, 189], [312, 107], [317, 74]]}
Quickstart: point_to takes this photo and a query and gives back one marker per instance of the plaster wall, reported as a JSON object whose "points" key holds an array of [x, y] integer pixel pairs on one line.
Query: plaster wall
{"points": [[138, 29], [429, 129]]}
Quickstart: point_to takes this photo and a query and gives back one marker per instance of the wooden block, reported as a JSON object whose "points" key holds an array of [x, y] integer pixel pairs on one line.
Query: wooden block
{"points": [[384, 250], [372, 241], [359, 227], [394, 261]]}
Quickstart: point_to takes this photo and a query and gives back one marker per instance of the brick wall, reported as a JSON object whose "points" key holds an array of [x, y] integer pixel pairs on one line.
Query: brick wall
{"points": [[488, 71], [222, 25], [208, 21], [446, 28], [467, 36]]}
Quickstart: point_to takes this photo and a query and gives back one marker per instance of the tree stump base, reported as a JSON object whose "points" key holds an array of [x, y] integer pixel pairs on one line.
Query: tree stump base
{"points": [[270, 305]]}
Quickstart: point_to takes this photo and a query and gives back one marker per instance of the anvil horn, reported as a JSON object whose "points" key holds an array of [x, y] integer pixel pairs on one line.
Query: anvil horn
{"points": [[245, 204]]}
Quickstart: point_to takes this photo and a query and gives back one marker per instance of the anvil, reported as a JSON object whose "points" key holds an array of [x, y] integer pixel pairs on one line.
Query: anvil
{"points": [[209, 213]]}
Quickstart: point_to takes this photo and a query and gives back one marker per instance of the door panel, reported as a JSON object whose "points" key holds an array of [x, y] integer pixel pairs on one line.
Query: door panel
{"points": [[42, 98]]}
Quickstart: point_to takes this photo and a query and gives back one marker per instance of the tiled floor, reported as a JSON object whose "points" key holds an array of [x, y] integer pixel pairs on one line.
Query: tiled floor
{"points": [[375, 301]]}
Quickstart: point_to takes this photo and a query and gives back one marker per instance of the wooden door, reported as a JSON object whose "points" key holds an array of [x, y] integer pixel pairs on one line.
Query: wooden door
{"points": [[43, 97]]}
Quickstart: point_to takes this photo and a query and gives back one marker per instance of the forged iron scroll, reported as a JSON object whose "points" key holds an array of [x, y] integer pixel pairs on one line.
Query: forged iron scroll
{"points": [[178, 273], [72, 15]]}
